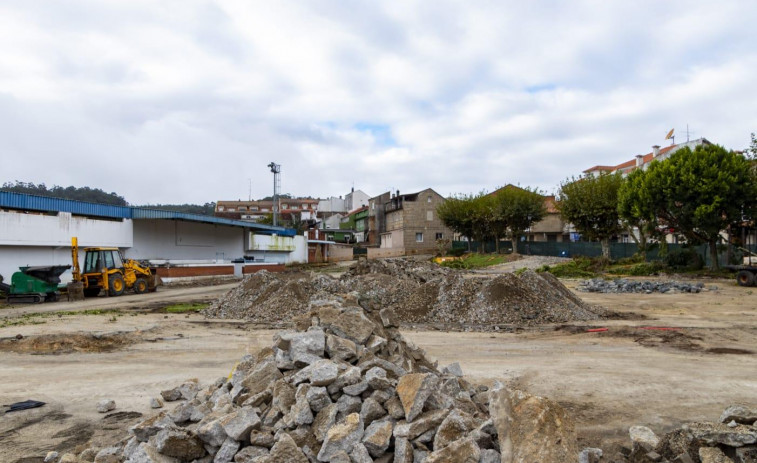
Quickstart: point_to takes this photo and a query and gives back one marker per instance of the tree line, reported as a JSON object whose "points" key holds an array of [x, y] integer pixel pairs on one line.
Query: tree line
{"points": [[694, 194]]}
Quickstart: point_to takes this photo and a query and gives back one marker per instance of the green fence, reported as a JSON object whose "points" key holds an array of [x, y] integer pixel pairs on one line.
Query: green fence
{"points": [[593, 249]]}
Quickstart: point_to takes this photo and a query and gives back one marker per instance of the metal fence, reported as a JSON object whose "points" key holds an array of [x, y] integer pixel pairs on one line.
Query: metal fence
{"points": [[593, 249]]}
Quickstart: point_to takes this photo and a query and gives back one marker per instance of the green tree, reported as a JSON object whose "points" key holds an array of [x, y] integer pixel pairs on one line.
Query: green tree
{"points": [[518, 209], [454, 212], [702, 192], [636, 211], [591, 205]]}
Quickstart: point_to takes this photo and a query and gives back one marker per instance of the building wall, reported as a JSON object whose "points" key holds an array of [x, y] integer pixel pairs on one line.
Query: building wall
{"points": [[356, 199], [339, 253], [185, 241], [32, 238], [416, 220]]}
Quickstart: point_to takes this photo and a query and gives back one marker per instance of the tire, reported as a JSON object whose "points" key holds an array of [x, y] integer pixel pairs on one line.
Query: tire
{"points": [[91, 292], [141, 286], [745, 278], [116, 285]]}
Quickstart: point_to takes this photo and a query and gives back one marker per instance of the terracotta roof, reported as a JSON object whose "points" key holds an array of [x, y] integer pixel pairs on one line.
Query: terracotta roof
{"points": [[646, 158]]}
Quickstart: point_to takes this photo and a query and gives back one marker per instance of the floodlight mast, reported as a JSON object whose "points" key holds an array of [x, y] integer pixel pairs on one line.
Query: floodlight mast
{"points": [[276, 169]]}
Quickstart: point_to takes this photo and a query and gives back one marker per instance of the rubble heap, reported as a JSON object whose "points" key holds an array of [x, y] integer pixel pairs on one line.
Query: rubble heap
{"points": [[419, 292], [346, 387], [733, 439], [621, 285]]}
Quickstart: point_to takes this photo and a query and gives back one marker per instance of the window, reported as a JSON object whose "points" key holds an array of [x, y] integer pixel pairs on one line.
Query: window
{"points": [[419, 237], [429, 199], [253, 208], [220, 208], [429, 215], [231, 209], [285, 206], [439, 236], [295, 207], [242, 208]]}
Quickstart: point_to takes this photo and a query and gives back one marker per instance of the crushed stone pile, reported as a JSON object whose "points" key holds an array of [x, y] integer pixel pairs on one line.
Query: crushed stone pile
{"points": [[733, 439], [622, 285], [346, 387], [419, 292]]}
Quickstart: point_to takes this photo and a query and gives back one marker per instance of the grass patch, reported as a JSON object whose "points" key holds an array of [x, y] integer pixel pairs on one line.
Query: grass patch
{"points": [[579, 267], [476, 260], [185, 308]]}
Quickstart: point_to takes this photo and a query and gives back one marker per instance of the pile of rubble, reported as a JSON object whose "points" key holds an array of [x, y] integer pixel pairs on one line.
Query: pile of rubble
{"points": [[621, 285], [419, 292], [732, 440], [346, 387]]}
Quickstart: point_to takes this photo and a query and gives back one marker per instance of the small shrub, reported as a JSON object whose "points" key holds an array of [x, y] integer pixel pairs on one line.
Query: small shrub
{"points": [[456, 252], [687, 259]]}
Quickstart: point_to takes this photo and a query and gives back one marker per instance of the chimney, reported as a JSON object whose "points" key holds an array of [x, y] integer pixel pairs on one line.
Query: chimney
{"points": [[639, 160], [656, 150]]}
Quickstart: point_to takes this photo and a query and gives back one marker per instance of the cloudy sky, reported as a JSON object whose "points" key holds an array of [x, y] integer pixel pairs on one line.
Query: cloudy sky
{"points": [[188, 101]]}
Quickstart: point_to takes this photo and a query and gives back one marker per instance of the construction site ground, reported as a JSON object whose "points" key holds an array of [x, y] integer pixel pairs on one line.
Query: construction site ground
{"points": [[71, 355]]}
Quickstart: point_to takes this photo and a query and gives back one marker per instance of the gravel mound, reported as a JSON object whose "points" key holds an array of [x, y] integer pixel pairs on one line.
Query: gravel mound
{"points": [[419, 292], [621, 285]]}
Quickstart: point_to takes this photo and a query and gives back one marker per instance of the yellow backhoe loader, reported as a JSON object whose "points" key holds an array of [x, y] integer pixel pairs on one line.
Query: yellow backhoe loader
{"points": [[106, 269]]}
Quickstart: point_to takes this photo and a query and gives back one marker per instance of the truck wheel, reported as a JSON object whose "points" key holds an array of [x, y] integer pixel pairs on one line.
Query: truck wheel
{"points": [[116, 285], [141, 286], [745, 278]]}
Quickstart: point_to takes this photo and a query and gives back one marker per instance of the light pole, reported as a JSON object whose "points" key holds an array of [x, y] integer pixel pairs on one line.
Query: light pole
{"points": [[276, 169]]}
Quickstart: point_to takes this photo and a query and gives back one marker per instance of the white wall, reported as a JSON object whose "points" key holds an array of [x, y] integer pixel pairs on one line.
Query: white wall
{"points": [[35, 229], [28, 239], [277, 249], [178, 240]]}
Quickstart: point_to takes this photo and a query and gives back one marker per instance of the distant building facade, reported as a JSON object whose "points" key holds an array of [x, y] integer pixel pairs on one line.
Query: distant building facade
{"points": [[411, 222]]}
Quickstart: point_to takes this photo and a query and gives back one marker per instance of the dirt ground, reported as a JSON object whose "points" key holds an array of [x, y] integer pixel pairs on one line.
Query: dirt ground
{"points": [[607, 380]]}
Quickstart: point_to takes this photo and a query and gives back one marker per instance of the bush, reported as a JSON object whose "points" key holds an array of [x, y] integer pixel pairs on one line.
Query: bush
{"points": [[579, 267], [686, 259], [639, 270], [456, 264], [456, 252]]}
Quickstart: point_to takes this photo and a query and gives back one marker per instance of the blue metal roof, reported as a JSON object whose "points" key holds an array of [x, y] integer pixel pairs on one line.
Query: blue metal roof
{"points": [[144, 213], [42, 203]]}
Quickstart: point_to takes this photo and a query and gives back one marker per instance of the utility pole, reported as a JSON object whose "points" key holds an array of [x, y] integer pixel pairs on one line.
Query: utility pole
{"points": [[276, 169]]}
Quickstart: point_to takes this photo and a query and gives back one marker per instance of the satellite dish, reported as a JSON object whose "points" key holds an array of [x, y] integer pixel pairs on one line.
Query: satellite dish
{"points": [[669, 135]]}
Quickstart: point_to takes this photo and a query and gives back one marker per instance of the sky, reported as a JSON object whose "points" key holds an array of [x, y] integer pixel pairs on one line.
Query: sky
{"points": [[189, 101]]}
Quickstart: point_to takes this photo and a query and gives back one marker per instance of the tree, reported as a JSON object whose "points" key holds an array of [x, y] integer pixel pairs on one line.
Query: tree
{"points": [[635, 210], [702, 192], [455, 213], [518, 209], [94, 195], [591, 205]]}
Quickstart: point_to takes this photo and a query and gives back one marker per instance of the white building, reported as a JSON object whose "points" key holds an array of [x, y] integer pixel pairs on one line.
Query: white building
{"points": [[37, 230]]}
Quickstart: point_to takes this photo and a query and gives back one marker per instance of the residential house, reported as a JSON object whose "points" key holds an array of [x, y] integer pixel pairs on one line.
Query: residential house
{"points": [[642, 161], [292, 209], [412, 223], [357, 221], [376, 219], [551, 227], [339, 207]]}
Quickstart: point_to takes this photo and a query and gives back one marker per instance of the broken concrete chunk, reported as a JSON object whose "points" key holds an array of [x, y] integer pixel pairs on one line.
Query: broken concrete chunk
{"points": [[354, 325], [286, 451], [413, 390], [360, 454], [590, 455], [318, 398], [262, 376], [741, 414], [376, 378], [156, 403], [308, 347], [319, 373], [531, 428], [240, 423], [371, 410], [377, 437], [389, 318], [250, 454], [342, 437], [461, 451], [423, 423], [151, 426], [642, 435], [227, 451], [340, 348], [348, 404], [711, 434], [713, 455], [106, 405], [179, 443], [453, 369], [212, 433], [403, 450]]}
